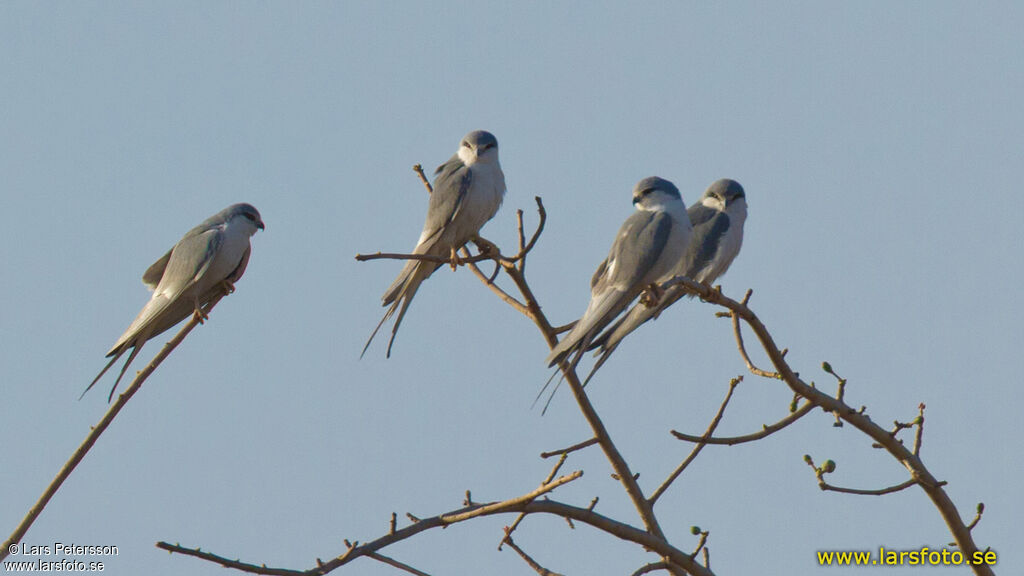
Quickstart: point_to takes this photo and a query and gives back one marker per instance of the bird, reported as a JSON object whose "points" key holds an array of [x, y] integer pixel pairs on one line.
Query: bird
{"points": [[717, 221], [211, 257], [467, 192], [645, 251]]}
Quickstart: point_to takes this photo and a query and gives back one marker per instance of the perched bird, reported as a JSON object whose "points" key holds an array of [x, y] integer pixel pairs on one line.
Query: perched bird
{"points": [[717, 236], [468, 190], [210, 258], [646, 249]]}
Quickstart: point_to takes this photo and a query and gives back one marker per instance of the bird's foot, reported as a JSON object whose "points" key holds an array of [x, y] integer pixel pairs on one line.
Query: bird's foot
{"points": [[199, 315], [453, 259], [651, 295], [228, 287]]}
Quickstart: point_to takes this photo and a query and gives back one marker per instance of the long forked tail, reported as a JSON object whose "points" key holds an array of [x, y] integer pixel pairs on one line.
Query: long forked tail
{"points": [[560, 372], [399, 300], [605, 353], [135, 352], [100, 375]]}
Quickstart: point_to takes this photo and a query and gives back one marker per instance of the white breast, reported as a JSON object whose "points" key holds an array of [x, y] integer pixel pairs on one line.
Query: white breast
{"points": [[486, 191]]}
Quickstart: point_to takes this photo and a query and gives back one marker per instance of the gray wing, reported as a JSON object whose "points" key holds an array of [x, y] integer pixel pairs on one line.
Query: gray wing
{"points": [[707, 232], [451, 182], [154, 273], [620, 278], [188, 262], [637, 248]]}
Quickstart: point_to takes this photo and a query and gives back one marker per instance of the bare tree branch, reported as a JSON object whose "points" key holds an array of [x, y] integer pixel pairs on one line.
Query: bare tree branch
{"points": [[918, 471], [700, 444], [98, 430], [743, 349], [418, 169], [650, 537], [515, 524], [653, 566], [527, 503], [542, 571], [767, 430], [570, 449], [395, 563], [829, 466], [489, 282]]}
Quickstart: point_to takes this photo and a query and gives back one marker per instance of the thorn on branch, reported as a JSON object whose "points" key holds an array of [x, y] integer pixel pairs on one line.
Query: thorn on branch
{"points": [[593, 503]]}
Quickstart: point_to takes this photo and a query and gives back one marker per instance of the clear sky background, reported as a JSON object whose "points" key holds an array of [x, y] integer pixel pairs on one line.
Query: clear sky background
{"points": [[880, 147]]}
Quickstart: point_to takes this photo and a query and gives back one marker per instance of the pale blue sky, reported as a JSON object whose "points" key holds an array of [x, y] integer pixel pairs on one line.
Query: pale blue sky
{"points": [[880, 146]]}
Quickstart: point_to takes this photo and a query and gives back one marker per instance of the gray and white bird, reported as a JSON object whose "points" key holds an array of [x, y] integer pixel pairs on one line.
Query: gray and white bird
{"points": [[645, 251], [717, 237], [210, 258], [468, 190]]}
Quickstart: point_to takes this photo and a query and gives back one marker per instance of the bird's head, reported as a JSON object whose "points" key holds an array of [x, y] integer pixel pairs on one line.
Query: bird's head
{"points": [[654, 193], [478, 146], [246, 213], [723, 194]]}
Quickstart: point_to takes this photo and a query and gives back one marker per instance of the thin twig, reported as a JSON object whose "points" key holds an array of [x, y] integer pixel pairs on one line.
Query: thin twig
{"points": [[829, 466], [392, 562], [920, 429], [700, 444], [743, 349], [647, 568], [767, 430], [522, 239], [97, 430], [515, 524], [570, 449], [421, 257], [243, 566], [542, 571], [522, 504], [618, 463], [977, 517], [418, 169], [505, 296], [856, 418]]}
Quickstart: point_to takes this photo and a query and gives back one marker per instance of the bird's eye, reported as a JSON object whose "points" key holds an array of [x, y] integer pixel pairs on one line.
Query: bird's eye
{"points": [[251, 217], [465, 144]]}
